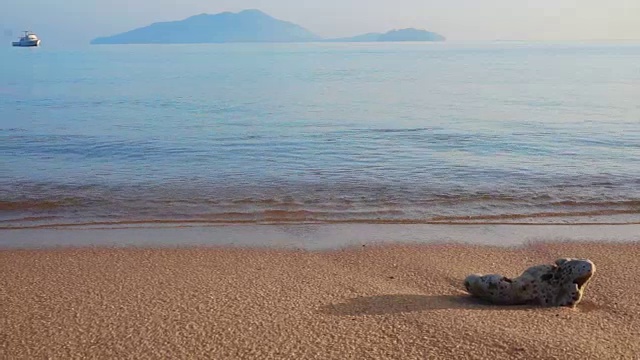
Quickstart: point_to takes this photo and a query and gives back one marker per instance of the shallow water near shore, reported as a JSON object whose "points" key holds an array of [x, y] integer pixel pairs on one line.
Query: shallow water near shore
{"points": [[314, 237], [320, 134]]}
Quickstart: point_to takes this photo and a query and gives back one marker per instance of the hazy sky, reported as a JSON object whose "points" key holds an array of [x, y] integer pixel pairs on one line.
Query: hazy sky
{"points": [[81, 20]]}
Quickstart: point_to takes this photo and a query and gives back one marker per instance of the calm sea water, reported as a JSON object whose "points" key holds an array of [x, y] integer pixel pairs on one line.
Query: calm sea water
{"points": [[297, 133]]}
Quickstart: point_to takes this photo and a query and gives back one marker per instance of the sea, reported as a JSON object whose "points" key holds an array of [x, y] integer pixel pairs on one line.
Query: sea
{"points": [[320, 133]]}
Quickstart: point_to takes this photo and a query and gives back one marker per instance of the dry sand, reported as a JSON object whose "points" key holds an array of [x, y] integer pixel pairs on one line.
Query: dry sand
{"points": [[386, 302]]}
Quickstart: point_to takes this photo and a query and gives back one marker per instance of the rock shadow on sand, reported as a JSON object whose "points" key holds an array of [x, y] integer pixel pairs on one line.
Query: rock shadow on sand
{"points": [[397, 304]]}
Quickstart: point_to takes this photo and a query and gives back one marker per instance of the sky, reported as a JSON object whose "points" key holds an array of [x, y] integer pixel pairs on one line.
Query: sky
{"points": [[78, 21]]}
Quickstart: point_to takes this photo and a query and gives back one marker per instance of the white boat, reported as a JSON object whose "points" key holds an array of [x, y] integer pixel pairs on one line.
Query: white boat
{"points": [[28, 40]]}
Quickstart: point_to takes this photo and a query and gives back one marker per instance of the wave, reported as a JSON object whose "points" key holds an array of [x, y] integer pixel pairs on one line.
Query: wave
{"points": [[44, 205], [608, 212], [281, 217]]}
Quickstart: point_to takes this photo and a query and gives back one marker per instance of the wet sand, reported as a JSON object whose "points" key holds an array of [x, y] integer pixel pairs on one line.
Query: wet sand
{"points": [[365, 302]]}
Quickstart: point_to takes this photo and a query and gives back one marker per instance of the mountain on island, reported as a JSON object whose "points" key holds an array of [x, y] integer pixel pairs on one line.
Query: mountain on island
{"points": [[394, 35], [245, 26]]}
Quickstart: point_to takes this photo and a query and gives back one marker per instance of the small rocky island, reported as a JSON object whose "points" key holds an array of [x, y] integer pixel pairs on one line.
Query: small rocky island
{"points": [[395, 35], [245, 26]]}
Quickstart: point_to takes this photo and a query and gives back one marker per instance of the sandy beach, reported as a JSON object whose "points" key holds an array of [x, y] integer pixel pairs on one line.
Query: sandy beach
{"points": [[365, 302]]}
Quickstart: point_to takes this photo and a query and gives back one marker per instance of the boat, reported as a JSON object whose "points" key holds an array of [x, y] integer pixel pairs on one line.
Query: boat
{"points": [[28, 40]]}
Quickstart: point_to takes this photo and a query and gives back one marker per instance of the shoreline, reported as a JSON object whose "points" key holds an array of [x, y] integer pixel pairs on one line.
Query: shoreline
{"points": [[384, 301], [315, 236]]}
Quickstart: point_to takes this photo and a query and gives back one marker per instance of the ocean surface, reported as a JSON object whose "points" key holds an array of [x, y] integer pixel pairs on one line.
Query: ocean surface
{"points": [[503, 132]]}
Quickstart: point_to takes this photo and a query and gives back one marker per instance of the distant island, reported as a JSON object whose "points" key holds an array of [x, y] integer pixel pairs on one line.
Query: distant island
{"points": [[394, 35], [245, 26]]}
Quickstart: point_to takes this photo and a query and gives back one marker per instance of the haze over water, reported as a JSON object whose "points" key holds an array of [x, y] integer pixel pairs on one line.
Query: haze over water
{"points": [[297, 133]]}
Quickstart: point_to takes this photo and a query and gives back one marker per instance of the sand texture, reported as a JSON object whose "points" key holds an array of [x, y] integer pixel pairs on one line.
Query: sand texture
{"points": [[381, 302]]}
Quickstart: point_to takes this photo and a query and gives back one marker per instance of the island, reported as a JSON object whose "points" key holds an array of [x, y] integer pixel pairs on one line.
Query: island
{"points": [[394, 35], [245, 27]]}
